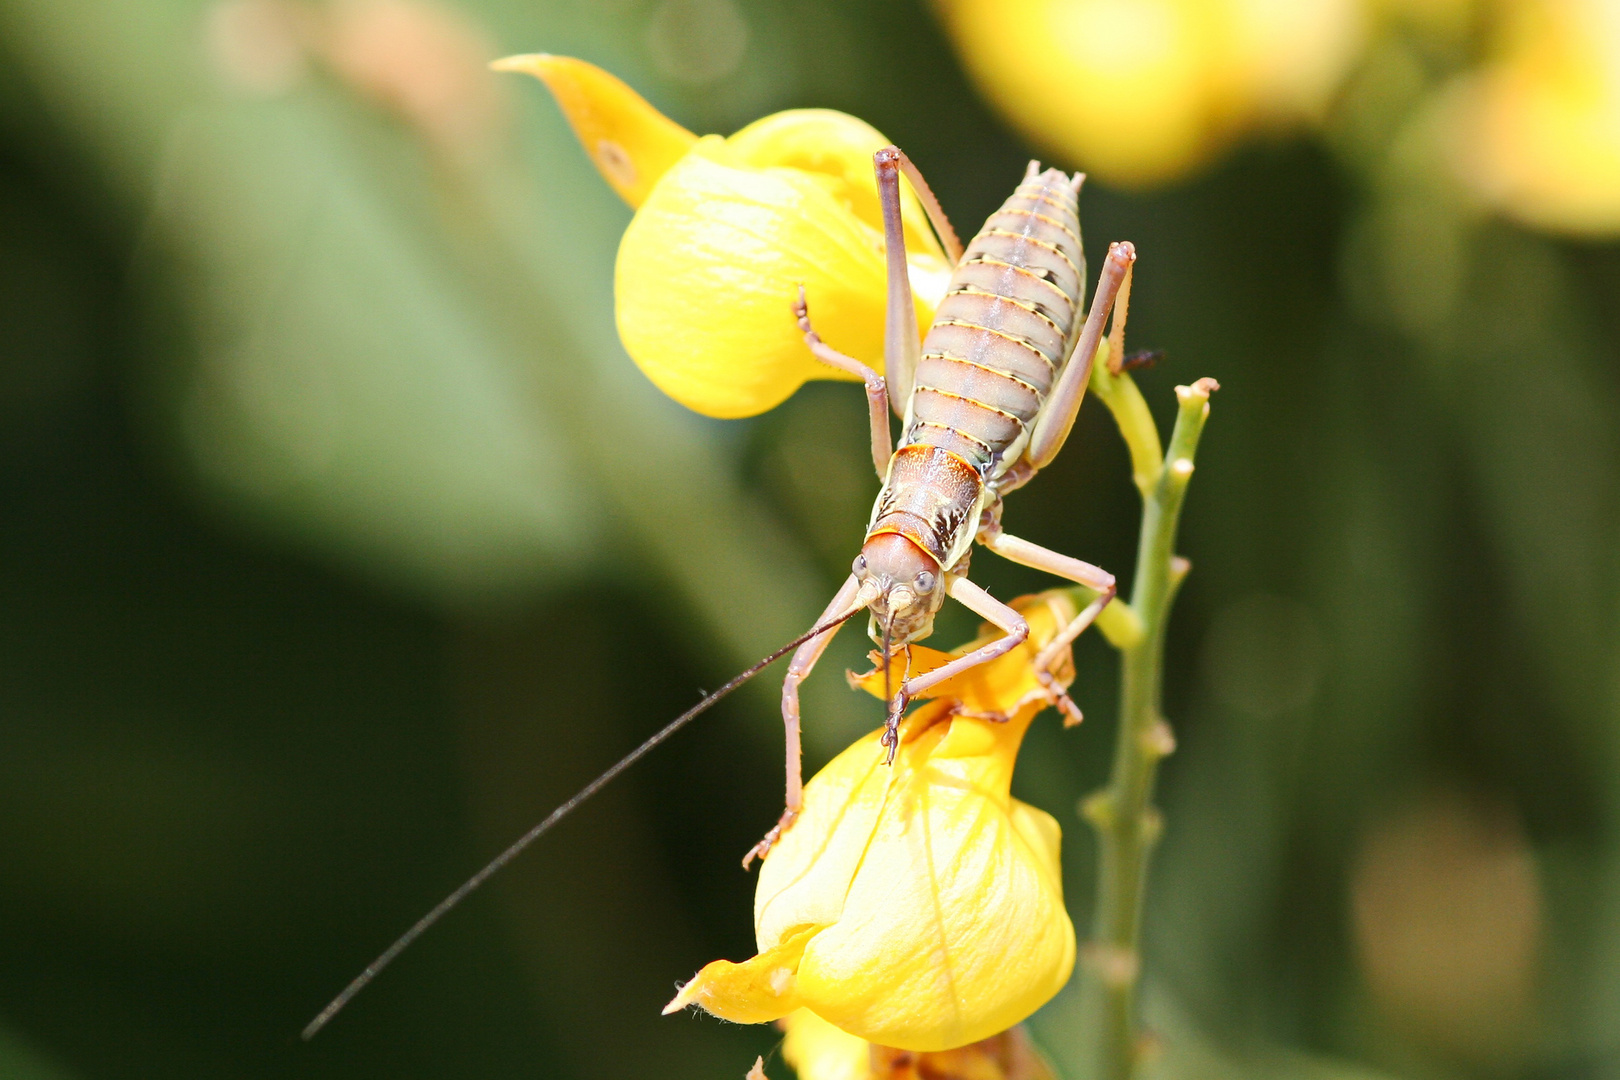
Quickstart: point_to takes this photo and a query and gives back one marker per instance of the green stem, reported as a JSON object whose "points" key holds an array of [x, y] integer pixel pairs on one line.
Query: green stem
{"points": [[1127, 823]]}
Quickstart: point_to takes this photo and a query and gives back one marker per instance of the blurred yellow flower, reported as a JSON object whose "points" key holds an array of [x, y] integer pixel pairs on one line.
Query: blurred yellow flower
{"points": [[725, 231], [1537, 132], [920, 906], [1139, 92], [819, 1051]]}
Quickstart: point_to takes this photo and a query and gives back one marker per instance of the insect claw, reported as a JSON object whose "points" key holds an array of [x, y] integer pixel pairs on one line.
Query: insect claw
{"points": [[891, 724], [1059, 697], [763, 848]]}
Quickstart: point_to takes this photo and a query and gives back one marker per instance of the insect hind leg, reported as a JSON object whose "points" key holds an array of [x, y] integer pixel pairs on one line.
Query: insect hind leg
{"points": [[1036, 557]]}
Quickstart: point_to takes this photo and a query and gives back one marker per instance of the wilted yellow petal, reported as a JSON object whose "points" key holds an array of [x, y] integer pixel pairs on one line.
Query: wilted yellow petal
{"points": [[1005, 684], [755, 991], [709, 268], [631, 143]]}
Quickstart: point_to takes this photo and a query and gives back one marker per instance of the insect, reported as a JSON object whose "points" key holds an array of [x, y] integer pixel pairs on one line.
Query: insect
{"points": [[990, 396], [989, 399]]}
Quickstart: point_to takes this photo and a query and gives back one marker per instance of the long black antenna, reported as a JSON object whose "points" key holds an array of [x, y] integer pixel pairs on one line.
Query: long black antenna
{"points": [[495, 864]]}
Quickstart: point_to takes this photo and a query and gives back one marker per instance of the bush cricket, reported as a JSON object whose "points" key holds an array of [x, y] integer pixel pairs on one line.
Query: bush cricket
{"points": [[986, 400]]}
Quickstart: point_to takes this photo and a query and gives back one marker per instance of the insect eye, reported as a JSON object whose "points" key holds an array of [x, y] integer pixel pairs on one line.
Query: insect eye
{"points": [[859, 564], [925, 582]]}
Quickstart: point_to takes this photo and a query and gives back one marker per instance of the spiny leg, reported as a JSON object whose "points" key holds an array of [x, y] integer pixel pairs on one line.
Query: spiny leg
{"points": [[1057, 415], [1036, 557], [983, 605], [1116, 333], [877, 392], [936, 213], [804, 659]]}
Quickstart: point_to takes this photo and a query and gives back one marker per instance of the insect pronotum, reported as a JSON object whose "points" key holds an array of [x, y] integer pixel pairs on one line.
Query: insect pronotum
{"points": [[989, 397]]}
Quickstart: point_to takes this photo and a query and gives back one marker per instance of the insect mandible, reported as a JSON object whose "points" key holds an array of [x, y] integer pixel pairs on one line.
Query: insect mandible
{"points": [[989, 397]]}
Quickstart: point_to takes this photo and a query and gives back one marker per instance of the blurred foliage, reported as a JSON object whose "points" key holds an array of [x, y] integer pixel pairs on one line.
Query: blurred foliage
{"points": [[340, 541]]}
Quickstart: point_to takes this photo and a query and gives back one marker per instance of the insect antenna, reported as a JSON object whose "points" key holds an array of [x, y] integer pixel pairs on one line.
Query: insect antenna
{"points": [[443, 907]]}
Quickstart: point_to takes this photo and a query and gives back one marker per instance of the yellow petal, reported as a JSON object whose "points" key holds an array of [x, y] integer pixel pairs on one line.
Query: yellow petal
{"points": [[709, 268], [631, 143], [806, 877], [1005, 684], [837, 150], [955, 928], [951, 926], [819, 1051], [755, 991]]}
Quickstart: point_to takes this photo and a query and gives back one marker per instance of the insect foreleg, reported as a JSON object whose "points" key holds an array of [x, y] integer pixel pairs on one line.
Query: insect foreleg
{"points": [[849, 598], [1061, 407], [1064, 566], [877, 392], [983, 605]]}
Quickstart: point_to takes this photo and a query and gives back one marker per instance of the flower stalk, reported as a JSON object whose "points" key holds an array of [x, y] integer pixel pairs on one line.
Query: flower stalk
{"points": [[1123, 814]]}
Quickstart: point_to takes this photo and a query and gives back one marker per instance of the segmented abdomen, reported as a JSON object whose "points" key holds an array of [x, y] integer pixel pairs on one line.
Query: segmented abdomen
{"points": [[998, 341], [1004, 327]]}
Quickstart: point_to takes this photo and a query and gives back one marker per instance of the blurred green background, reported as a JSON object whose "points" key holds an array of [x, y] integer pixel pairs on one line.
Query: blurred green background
{"points": [[339, 541]]}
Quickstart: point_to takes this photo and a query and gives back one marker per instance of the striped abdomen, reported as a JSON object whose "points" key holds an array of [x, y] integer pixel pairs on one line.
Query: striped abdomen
{"points": [[998, 341], [1004, 327]]}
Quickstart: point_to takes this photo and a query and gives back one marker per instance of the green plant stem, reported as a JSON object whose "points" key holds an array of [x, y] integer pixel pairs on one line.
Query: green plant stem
{"points": [[1127, 823]]}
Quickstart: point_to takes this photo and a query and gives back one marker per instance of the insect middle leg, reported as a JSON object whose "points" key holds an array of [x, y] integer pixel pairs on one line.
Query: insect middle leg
{"points": [[877, 391], [1015, 633], [1036, 557]]}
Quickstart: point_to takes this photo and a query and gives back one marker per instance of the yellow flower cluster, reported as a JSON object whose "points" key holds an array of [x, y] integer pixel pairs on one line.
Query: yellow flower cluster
{"points": [[1139, 92], [918, 907], [735, 226], [1537, 130], [1142, 92], [819, 1051]]}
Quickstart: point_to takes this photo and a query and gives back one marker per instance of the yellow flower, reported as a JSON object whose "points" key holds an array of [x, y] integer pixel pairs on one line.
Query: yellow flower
{"points": [[725, 231], [920, 906], [1538, 131], [1140, 92]]}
